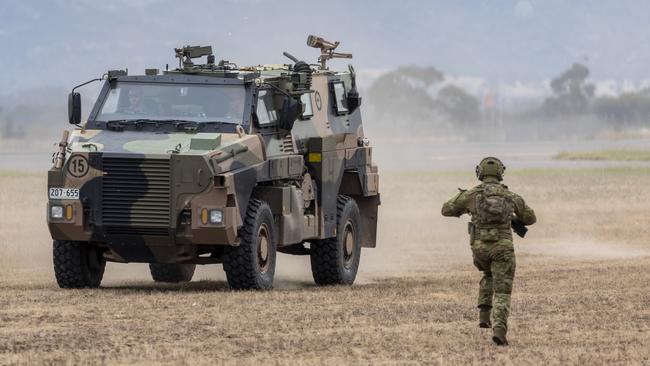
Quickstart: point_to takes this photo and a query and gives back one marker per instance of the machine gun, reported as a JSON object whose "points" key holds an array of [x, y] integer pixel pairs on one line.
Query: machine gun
{"points": [[326, 49], [187, 53], [518, 227]]}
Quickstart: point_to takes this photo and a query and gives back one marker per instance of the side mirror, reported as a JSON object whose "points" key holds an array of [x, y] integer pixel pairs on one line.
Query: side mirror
{"points": [[291, 109], [74, 108]]}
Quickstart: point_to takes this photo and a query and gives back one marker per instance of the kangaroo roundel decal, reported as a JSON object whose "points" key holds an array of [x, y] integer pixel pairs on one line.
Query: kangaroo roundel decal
{"points": [[319, 101]]}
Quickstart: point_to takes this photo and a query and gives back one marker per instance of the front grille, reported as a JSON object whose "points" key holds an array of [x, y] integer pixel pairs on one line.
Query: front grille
{"points": [[136, 195], [137, 231]]}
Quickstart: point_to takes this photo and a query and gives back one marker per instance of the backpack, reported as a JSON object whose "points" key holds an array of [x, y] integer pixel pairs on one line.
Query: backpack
{"points": [[493, 206]]}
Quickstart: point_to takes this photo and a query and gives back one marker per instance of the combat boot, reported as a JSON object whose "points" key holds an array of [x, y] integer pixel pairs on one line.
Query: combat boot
{"points": [[484, 317], [499, 337]]}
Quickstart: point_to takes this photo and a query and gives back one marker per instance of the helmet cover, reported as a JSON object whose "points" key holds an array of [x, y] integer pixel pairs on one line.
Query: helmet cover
{"points": [[490, 167]]}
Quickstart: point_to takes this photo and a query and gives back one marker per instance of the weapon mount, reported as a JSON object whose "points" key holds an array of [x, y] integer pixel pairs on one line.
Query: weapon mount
{"points": [[326, 49]]}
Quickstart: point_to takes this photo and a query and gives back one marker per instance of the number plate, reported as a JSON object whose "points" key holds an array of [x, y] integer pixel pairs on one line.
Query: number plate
{"points": [[64, 193]]}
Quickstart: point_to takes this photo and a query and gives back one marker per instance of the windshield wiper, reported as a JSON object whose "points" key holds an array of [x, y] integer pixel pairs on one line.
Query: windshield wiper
{"points": [[120, 123], [180, 124], [193, 125], [115, 125]]}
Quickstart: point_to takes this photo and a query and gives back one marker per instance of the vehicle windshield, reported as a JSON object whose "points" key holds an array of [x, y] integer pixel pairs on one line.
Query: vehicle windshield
{"points": [[157, 101]]}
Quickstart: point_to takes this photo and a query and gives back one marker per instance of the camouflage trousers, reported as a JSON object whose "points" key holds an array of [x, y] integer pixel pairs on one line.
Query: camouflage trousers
{"points": [[497, 262]]}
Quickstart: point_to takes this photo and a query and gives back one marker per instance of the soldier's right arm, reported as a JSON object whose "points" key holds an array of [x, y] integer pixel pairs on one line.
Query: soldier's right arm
{"points": [[457, 205]]}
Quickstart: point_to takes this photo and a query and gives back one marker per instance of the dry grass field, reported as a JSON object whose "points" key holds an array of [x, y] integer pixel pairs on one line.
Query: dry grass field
{"points": [[620, 155], [581, 292]]}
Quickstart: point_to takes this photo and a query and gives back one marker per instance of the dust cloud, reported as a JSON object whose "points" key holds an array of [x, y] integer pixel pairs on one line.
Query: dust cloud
{"points": [[413, 237]]}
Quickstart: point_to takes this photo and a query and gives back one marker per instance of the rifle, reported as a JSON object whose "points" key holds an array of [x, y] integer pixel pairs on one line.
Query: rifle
{"points": [[518, 227]]}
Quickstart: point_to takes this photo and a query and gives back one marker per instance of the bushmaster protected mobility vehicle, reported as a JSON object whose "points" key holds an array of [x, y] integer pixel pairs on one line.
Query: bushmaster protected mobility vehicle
{"points": [[215, 163]]}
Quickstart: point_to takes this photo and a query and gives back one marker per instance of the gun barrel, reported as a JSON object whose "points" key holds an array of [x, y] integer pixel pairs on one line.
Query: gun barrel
{"points": [[290, 56]]}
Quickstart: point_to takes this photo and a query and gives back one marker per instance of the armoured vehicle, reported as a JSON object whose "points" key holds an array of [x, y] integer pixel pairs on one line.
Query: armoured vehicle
{"points": [[215, 163]]}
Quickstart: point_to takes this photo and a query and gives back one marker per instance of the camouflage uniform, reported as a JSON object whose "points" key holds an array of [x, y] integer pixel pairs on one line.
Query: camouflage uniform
{"points": [[492, 245]]}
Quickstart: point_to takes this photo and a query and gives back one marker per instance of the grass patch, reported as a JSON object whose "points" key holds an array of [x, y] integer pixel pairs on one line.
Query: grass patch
{"points": [[525, 172], [551, 172], [620, 155]]}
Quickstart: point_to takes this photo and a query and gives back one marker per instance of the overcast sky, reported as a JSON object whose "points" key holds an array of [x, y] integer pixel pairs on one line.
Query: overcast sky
{"points": [[60, 43]]}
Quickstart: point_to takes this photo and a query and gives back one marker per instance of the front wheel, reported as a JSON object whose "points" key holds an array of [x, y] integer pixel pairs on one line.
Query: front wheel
{"points": [[335, 261], [77, 264], [251, 265]]}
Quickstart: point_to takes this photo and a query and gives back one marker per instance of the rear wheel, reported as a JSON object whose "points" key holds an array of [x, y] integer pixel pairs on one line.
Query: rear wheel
{"points": [[172, 272], [251, 265], [77, 264], [335, 261]]}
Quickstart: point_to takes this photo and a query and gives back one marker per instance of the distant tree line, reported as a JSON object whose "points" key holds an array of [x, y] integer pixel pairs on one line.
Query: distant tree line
{"points": [[574, 95], [34, 114], [409, 99], [629, 108], [8, 128], [420, 99], [415, 95]]}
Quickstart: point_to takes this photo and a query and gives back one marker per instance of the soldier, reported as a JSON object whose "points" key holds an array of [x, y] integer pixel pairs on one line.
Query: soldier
{"points": [[492, 208], [136, 105]]}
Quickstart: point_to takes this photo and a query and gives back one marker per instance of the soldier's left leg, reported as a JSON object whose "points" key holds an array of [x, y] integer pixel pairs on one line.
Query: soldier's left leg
{"points": [[485, 294], [485, 291], [503, 272]]}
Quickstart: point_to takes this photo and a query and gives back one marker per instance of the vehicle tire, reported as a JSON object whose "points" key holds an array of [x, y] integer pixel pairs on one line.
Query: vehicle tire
{"points": [[335, 261], [172, 272], [251, 264], [77, 264]]}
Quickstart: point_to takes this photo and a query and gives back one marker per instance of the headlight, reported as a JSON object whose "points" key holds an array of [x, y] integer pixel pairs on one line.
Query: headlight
{"points": [[216, 216], [211, 216], [56, 212]]}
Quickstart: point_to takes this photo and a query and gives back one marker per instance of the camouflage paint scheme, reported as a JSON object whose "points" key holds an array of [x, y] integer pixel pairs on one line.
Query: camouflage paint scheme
{"points": [[217, 170], [495, 258]]}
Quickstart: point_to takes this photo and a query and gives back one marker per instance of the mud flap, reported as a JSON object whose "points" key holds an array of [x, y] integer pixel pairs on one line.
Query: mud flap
{"points": [[368, 208]]}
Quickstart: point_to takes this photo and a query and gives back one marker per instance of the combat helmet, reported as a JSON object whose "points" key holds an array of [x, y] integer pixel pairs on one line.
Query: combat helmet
{"points": [[490, 167]]}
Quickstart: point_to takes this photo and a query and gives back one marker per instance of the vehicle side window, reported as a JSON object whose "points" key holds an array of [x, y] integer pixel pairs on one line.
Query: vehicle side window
{"points": [[339, 94], [309, 110], [266, 113]]}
